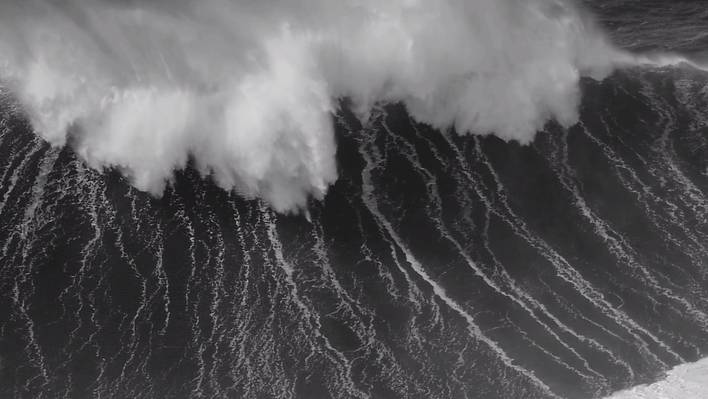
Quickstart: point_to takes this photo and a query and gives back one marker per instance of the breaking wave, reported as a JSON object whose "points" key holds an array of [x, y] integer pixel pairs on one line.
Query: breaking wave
{"points": [[684, 381], [247, 89]]}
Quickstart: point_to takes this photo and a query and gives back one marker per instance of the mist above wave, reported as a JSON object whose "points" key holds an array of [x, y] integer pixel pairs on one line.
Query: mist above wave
{"points": [[247, 88]]}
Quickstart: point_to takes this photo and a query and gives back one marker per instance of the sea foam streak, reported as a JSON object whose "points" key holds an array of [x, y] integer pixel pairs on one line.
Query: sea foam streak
{"points": [[247, 88]]}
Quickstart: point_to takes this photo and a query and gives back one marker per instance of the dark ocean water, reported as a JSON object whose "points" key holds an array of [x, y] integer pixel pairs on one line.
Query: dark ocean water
{"points": [[438, 266]]}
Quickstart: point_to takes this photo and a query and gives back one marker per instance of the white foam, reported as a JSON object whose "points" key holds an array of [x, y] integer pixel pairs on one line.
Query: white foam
{"points": [[247, 88], [688, 381]]}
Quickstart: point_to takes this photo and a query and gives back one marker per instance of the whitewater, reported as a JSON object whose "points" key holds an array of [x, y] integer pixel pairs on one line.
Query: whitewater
{"points": [[246, 90], [686, 381]]}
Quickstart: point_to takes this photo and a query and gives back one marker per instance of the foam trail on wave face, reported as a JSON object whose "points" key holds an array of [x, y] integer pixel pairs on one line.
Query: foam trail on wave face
{"points": [[246, 89]]}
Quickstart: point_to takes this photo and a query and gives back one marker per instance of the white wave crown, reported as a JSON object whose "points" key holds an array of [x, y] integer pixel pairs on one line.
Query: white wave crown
{"points": [[247, 88]]}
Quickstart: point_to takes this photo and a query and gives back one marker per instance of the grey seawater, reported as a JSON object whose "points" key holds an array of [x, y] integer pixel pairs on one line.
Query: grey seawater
{"points": [[438, 266]]}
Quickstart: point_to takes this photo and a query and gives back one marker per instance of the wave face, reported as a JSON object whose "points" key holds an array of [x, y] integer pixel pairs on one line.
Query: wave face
{"points": [[247, 89], [437, 265]]}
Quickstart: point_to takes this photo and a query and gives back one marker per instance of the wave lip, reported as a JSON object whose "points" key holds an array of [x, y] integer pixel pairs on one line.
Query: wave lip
{"points": [[247, 90]]}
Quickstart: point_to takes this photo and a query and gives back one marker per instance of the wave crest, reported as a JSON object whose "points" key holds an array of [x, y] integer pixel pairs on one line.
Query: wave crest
{"points": [[247, 88]]}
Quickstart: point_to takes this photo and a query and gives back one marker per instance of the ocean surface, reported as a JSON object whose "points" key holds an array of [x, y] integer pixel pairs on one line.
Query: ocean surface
{"points": [[437, 266]]}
